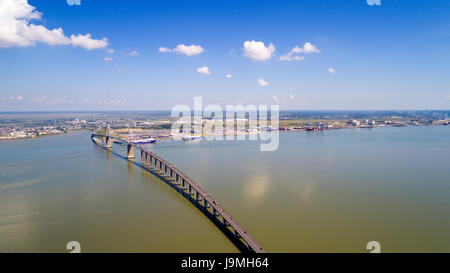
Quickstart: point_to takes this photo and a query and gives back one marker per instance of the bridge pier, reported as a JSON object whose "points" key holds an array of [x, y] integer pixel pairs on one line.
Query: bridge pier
{"points": [[108, 142], [147, 161], [130, 151], [142, 157]]}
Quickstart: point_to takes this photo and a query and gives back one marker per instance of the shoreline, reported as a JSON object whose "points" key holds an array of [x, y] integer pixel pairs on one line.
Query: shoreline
{"points": [[171, 138]]}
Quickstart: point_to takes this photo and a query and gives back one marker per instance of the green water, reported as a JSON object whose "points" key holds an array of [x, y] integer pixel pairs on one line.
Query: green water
{"points": [[328, 191]]}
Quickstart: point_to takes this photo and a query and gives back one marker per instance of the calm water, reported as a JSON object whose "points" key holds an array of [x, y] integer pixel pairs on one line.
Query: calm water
{"points": [[328, 191]]}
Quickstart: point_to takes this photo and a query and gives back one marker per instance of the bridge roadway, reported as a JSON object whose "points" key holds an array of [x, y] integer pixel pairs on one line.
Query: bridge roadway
{"points": [[163, 169]]}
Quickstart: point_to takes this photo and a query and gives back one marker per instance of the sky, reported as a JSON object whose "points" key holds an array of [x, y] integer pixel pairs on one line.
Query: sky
{"points": [[152, 55]]}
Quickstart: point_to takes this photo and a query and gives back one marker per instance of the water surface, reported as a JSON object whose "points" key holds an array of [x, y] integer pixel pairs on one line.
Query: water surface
{"points": [[328, 191]]}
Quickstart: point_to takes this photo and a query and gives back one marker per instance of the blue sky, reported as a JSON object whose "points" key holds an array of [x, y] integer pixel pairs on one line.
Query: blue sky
{"points": [[392, 56]]}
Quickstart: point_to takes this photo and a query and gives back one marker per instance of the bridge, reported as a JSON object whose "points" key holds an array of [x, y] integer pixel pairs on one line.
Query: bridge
{"points": [[189, 189]]}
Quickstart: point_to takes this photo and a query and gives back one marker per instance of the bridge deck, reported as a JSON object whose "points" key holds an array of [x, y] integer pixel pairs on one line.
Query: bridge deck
{"points": [[248, 239]]}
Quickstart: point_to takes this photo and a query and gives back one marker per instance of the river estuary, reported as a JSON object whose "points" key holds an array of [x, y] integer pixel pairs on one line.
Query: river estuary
{"points": [[330, 191]]}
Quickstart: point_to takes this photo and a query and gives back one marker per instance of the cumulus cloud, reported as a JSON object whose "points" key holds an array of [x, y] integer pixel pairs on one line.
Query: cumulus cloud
{"points": [[110, 51], [262, 82], [331, 70], [229, 76], [307, 48], [293, 54], [134, 53], [291, 96], [108, 59], [257, 51], [16, 29], [203, 70], [164, 49], [86, 42], [188, 50]]}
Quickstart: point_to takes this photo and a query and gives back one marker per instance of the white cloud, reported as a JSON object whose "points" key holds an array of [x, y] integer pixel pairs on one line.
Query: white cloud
{"points": [[13, 98], [291, 96], [108, 59], [203, 70], [306, 49], [262, 82], [111, 101], [16, 29], [110, 51], [289, 57], [331, 70], [257, 51], [447, 97], [164, 49], [229, 76], [86, 42], [63, 100], [276, 99], [189, 50], [122, 69], [134, 53]]}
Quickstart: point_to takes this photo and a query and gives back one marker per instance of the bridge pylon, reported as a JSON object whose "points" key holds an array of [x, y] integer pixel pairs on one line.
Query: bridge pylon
{"points": [[130, 151]]}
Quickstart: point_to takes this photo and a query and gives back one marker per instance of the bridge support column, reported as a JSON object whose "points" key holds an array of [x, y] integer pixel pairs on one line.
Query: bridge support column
{"points": [[130, 151], [108, 142], [142, 157]]}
